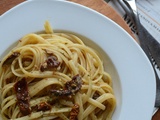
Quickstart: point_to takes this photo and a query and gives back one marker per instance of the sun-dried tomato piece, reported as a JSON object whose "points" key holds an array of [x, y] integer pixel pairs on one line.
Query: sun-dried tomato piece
{"points": [[50, 63], [74, 112], [43, 106], [11, 58], [22, 95], [71, 87]]}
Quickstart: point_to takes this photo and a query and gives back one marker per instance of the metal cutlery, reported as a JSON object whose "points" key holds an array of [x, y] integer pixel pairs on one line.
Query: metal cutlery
{"points": [[147, 42]]}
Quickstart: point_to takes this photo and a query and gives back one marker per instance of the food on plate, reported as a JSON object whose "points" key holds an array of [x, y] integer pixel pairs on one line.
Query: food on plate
{"points": [[53, 75]]}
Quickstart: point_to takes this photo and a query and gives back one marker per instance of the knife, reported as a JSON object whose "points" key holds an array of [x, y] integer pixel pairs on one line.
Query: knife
{"points": [[147, 42]]}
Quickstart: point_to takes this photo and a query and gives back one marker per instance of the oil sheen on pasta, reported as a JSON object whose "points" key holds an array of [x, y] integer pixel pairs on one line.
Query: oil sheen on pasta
{"points": [[54, 76]]}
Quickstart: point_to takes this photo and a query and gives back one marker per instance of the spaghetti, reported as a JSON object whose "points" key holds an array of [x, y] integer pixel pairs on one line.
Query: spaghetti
{"points": [[54, 76]]}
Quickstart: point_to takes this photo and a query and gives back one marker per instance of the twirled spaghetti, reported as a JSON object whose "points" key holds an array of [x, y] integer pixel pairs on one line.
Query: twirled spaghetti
{"points": [[54, 76]]}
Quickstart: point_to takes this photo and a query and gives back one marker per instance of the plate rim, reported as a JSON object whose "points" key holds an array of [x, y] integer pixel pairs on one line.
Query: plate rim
{"points": [[89, 9]]}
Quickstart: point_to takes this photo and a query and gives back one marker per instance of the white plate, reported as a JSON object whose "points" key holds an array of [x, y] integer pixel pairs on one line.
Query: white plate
{"points": [[133, 77]]}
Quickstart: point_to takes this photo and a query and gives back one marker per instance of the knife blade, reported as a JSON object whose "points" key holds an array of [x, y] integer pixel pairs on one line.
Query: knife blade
{"points": [[152, 49], [152, 43]]}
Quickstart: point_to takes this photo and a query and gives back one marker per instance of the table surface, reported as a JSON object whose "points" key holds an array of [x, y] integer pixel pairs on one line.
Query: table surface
{"points": [[98, 5]]}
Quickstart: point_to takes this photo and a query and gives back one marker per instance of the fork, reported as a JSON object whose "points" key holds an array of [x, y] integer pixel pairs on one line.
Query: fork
{"points": [[150, 46]]}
